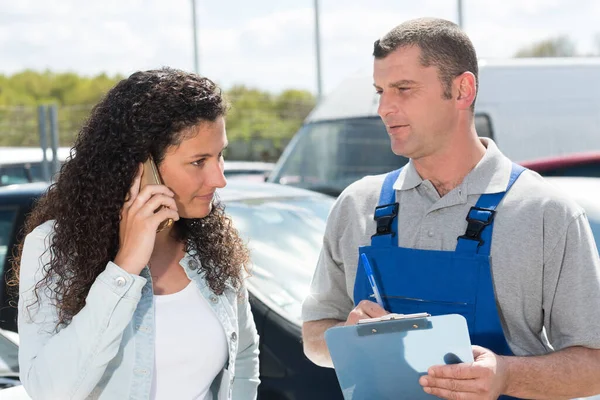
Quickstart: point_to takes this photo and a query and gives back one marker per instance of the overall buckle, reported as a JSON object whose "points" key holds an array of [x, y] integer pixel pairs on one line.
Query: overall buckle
{"points": [[476, 226], [384, 222]]}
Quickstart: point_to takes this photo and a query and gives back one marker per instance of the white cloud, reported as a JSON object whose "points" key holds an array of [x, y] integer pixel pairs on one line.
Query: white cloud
{"points": [[510, 8], [260, 43]]}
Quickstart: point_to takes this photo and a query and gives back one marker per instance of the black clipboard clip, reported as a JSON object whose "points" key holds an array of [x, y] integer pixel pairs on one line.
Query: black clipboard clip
{"points": [[393, 317]]}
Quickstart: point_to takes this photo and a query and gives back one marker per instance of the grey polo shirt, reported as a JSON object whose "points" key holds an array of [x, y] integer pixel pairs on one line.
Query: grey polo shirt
{"points": [[545, 264]]}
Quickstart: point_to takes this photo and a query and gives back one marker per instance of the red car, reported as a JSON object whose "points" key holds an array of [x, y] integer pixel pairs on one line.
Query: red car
{"points": [[576, 164]]}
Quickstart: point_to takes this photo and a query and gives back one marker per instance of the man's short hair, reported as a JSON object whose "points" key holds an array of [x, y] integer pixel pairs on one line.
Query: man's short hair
{"points": [[443, 45]]}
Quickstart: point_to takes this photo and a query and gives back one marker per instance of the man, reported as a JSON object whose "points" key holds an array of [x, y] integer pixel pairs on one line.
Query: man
{"points": [[523, 268]]}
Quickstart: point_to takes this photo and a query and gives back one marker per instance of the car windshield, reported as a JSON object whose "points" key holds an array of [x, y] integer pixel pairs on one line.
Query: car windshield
{"points": [[285, 237], [328, 156]]}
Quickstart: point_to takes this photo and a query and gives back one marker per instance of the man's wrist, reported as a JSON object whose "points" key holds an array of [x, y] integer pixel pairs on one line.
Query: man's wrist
{"points": [[510, 367]]}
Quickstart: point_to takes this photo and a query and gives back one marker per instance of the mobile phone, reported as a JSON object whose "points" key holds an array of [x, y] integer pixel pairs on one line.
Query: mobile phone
{"points": [[150, 176]]}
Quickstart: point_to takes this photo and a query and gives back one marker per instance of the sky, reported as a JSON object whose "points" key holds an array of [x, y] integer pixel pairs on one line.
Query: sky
{"points": [[266, 44]]}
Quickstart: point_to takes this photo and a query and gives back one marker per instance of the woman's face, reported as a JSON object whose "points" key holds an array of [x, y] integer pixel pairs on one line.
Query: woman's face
{"points": [[193, 170]]}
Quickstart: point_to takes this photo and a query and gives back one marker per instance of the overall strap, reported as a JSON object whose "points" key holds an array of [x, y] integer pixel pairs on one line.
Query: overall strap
{"points": [[386, 213], [478, 237]]}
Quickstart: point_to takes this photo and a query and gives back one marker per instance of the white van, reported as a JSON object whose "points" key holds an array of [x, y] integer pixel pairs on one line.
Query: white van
{"points": [[532, 108]]}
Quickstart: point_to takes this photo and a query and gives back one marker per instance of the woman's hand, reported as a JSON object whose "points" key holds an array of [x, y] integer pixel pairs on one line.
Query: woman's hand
{"points": [[139, 222]]}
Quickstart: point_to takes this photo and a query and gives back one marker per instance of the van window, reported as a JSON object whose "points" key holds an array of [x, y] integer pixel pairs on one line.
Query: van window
{"points": [[483, 126], [328, 156], [7, 222]]}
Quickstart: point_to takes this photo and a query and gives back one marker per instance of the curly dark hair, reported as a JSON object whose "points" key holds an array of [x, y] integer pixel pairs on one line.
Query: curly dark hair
{"points": [[141, 116]]}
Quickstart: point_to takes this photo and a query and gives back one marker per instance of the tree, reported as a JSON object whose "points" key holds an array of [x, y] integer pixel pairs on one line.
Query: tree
{"points": [[560, 46], [254, 113], [21, 93], [259, 114]]}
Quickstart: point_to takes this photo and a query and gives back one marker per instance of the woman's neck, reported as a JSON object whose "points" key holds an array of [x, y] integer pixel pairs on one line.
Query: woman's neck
{"points": [[168, 250]]}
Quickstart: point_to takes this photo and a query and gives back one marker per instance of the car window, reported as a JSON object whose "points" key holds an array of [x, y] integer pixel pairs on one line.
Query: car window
{"points": [[589, 170], [483, 126], [12, 174], [20, 173], [328, 156], [7, 221]]}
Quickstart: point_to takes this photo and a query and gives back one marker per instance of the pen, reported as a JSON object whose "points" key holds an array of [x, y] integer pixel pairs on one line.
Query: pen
{"points": [[371, 278]]}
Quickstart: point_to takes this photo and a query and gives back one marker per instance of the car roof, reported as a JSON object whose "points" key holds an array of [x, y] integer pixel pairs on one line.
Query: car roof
{"points": [[584, 190], [246, 190], [234, 191], [588, 186], [22, 190], [568, 160], [248, 166], [19, 155]]}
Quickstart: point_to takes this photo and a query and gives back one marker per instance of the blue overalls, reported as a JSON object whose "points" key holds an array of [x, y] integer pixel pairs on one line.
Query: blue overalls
{"points": [[438, 282]]}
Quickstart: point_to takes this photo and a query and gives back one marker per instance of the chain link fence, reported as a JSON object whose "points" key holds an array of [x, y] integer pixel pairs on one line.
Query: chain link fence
{"points": [[19, 126]]}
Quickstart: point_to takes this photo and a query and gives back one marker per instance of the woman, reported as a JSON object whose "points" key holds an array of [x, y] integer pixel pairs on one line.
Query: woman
{"points": [[108, 307]]}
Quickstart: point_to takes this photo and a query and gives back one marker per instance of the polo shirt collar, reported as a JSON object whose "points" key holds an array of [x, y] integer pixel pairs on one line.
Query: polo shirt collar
{"points": [[490, 175]]}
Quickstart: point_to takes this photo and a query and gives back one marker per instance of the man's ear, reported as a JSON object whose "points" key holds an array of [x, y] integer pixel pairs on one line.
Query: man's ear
{"points": [[465, 90]]}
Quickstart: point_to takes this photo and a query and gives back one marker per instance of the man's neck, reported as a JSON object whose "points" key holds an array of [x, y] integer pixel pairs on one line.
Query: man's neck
{"points": [[447, 169]]}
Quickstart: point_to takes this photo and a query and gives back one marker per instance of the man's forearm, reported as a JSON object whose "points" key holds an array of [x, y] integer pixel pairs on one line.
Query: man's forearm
{"points": [[313, 336], [566, 374]]}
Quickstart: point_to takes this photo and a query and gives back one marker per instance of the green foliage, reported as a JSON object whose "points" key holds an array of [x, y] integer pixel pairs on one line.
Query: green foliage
{"points": [[254, 113], [258, 114], [560, 46]]}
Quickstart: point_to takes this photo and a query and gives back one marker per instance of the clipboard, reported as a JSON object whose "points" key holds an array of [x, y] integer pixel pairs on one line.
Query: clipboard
{"points": [[383, 358]]}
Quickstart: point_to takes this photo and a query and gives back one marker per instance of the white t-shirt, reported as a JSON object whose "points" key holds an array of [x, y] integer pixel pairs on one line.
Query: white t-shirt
{"points": [[190, 347]]}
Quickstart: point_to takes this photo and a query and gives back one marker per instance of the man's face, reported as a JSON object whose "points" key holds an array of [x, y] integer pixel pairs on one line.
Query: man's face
{"points": [[417, 116], [193, 170]]}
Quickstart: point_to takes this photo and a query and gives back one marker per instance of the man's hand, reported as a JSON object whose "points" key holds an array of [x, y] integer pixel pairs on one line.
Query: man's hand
{"points": [[486, 378], [365, 309], [313, 332]]}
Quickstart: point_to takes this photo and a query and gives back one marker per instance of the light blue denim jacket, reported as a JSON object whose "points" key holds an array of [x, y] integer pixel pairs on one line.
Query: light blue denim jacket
{"points": [[107, 351]]}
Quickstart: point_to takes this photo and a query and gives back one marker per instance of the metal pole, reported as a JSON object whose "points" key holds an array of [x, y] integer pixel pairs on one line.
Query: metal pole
{"points": [[460, 14], [54, 138], [43, 141], [318, 52], [195, 29]]}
